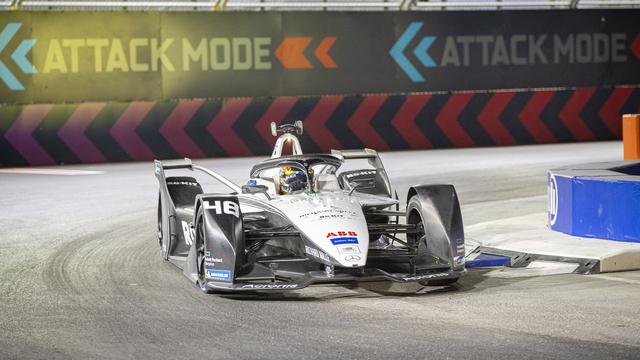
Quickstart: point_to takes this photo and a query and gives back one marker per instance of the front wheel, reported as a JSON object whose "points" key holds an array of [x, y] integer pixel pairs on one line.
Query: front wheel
{"points": [[415, 217], [200, 249], [164, 247]]}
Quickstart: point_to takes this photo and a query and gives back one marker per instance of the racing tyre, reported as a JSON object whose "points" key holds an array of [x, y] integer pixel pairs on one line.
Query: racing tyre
{"points": [[164, 248], [414, 211], [200, 248]]}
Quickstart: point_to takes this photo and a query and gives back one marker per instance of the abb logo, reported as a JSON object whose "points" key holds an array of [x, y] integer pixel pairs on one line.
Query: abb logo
{"points": [[342, 233], [223, 207]]}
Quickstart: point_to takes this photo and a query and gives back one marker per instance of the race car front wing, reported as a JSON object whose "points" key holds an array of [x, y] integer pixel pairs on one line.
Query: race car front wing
{"points": [[319, 277]]}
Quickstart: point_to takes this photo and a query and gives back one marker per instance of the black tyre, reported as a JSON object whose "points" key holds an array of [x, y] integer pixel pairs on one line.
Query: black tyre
{"points": [[200, 249], [414, 216], [164, 247]]}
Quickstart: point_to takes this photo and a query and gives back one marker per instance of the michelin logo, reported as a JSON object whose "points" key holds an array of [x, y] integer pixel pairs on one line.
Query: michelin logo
{"points": [[223, 275]]}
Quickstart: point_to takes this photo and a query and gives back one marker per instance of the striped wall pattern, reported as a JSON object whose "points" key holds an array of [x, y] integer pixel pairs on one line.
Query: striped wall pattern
{"points": [[44, 134]]}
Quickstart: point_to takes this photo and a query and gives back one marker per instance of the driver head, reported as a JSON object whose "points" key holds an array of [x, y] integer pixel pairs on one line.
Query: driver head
{"points": [[291, 179]]}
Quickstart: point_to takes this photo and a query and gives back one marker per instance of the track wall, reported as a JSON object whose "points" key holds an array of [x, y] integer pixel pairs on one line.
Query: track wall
{"points": [[143, 130], [116, 86]]}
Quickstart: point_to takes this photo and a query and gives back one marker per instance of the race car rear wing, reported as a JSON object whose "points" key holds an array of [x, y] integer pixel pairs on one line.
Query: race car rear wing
{"points": [[186, 163], [368, 154], [174, 164], [372, 158]]}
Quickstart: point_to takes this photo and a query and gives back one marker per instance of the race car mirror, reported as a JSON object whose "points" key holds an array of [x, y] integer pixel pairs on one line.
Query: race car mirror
{"points": [[295, 128], [256, 189], [299, 127]]}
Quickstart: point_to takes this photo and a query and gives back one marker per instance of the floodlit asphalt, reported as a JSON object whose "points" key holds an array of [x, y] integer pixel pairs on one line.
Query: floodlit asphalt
{"points": [[81, 278]]}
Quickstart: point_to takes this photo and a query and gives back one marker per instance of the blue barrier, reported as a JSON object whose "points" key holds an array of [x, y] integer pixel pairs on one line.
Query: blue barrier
{"points": [[488, 260], [599, 200]]}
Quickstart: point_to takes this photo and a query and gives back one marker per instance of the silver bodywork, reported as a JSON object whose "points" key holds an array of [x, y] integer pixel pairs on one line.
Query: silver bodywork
{"points": [[343, 227]]}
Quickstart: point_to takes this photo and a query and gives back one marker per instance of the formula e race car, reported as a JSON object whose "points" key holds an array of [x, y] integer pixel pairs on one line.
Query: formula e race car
{"points": [[300, 220]]}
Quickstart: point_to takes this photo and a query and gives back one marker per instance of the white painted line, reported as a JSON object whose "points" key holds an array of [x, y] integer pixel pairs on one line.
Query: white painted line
{"points": [[534, 269], [43, 171], [613, 278]]}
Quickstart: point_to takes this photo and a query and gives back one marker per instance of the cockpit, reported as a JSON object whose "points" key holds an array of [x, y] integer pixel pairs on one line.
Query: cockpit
{"points": [[293, 174]]}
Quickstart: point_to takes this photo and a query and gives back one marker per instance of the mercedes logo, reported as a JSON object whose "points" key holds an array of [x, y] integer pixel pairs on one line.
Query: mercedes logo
{"points": [[352, 258]]}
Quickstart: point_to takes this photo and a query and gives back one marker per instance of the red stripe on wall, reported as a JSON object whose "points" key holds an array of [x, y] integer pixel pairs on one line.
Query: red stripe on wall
{"points": [[221, 127], [405, 121]]}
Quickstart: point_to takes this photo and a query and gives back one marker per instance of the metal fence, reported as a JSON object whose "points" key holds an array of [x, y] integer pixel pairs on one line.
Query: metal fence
{"points": [[310, 5]]}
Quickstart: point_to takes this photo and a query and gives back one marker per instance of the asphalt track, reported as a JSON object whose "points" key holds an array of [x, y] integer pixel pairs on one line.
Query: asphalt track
{"points": [[82, 278]]}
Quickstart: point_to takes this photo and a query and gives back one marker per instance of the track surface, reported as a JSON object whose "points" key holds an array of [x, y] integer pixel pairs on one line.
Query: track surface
{"points": [[81, 277]]}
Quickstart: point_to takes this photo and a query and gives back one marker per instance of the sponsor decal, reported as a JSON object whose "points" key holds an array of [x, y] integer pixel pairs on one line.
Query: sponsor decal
{"points": [[344, 240], [352, 258], [325, 214], [269, 286], [252, 182], [342, 233], [426, 276], [227, 207], [316, 253], [187, 183], [348, 249], [158, 168], [360, 173], [188, 232], [518, 49], [343, 237], [223, 275], [207, 253], [459, 260], [212, 259], [552, 194]]}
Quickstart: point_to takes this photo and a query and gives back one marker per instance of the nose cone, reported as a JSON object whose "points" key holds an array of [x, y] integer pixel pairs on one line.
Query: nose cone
{"points": [[333, 222], [351, 247]]}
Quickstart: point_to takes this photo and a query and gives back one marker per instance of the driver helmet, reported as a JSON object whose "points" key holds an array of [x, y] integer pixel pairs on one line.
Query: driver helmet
{"points": [[291, 179]]}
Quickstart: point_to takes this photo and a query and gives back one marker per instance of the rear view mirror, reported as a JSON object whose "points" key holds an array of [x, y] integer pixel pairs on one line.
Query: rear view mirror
{"points": [[255, 189]]}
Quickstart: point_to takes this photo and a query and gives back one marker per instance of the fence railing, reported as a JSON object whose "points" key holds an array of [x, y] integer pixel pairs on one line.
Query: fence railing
{"points": [[300, 5]]}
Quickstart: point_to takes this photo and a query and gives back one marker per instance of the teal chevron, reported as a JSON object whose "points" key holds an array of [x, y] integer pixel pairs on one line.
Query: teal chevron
{"points": [[397, 51], [19, 56], [421, 51]]}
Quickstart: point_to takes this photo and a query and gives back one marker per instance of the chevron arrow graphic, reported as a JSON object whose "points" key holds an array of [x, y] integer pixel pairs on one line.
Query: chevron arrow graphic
{"points": [[421, 51], [397, 49], [291, 53], [19, 56], [6, 35]]}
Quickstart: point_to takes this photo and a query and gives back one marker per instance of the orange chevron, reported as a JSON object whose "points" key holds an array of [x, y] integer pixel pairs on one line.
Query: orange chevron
{"points": [[291, 53], [322, 52]]}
